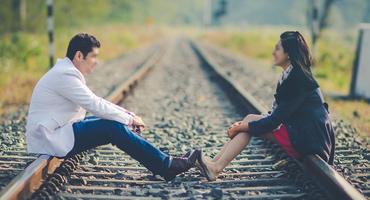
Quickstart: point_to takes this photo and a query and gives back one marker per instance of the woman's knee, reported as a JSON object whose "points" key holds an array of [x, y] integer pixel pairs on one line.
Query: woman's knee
{"points": [[252, 117], [244, 134]]}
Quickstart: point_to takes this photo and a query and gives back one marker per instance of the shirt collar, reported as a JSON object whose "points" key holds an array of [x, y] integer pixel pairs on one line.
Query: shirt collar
{"points": [[288, 69], [67, 63], [285, 73]]}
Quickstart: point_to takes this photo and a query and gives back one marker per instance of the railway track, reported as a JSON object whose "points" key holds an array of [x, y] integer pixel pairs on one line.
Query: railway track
{"points": [[12, 162], [185, 101]]}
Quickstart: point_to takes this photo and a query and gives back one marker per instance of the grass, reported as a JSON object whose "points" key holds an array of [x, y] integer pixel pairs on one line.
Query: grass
{"points": [[333, 63], [24, 56], [356, 112]]}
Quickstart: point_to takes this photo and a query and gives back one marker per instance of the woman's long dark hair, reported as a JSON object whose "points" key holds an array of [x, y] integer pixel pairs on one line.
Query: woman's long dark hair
{"points": [[296, 47]]}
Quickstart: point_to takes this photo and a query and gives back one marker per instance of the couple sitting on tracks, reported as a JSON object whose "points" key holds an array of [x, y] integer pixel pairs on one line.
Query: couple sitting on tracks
{"points": [[57, 126]]}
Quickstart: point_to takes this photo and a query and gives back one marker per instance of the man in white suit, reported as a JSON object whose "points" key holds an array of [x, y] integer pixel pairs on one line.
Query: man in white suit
{"points": [[56, 123]]}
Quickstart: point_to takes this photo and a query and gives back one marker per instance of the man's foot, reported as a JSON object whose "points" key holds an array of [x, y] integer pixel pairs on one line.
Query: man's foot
{"points": [[206, 169], [188, 154], [181, 164]]}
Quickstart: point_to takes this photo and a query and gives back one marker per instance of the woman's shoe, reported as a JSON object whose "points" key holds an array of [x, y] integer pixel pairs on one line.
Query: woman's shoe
{"points": [[204, 169]]}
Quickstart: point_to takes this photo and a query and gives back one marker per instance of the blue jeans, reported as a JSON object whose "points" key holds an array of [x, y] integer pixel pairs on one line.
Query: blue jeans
{"points": [[92, 132]]}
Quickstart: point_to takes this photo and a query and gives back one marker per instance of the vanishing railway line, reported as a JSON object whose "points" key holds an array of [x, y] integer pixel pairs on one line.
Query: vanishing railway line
{"points": [[186, 103]]}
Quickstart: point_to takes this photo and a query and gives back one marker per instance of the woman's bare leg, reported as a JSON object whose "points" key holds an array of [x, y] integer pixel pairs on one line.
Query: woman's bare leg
{"points": [[221, 151], [233, 148], [267, 136], [230, 150], [248, 118]]}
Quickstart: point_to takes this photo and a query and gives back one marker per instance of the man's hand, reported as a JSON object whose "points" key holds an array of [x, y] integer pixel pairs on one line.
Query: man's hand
{"points": [[237, 127], [137, 121], [137, 124]]}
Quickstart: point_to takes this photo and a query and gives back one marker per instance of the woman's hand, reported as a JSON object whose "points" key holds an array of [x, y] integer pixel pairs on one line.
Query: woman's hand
{"points": [[237, 127]]}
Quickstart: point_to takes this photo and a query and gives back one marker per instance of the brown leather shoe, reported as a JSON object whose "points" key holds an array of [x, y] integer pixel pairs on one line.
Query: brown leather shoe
{"points": [[181, 164]]}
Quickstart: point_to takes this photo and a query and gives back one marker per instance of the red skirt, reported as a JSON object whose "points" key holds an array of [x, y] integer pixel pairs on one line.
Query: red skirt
{"points": [[281, 136]]}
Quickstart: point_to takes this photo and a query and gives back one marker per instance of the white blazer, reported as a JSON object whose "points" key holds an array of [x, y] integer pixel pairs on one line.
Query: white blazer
{"points": [[59, 99]]}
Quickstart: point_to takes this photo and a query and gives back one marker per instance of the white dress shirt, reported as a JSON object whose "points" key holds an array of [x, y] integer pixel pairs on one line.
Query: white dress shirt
{"points": [[59, 99]]}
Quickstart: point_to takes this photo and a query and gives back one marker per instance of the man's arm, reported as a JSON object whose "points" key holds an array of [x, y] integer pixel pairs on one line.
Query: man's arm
{"points": [[122, 109], [72, 88]]}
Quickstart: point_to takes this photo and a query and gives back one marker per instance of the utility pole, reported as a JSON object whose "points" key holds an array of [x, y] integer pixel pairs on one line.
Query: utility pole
{"points": [[50, 23], [318, 20], [220, 11], [22, 14], [207, 12], [315, 26]]}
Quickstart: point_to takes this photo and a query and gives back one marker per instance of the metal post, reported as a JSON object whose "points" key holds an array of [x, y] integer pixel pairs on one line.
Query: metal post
{"points": [[352, 92], [315, 26], [207, 13], [50, 31]]}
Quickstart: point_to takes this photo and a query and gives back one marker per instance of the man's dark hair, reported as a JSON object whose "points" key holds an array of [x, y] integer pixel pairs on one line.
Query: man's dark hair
{"points": [[81, 42]]}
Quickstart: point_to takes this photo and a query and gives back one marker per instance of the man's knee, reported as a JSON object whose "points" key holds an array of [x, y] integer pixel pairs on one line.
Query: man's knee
{"points": [[114, 129]]}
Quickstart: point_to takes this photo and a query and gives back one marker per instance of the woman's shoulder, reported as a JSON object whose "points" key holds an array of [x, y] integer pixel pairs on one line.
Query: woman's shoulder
{"points": [[298, 83], [302, 79]]}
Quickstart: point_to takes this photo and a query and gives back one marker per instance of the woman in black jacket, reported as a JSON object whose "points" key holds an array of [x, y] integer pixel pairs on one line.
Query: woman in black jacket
{"points": [[299, 120]]}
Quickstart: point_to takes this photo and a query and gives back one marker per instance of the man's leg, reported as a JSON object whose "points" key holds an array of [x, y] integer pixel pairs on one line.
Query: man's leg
{"points": [[94, 132]]}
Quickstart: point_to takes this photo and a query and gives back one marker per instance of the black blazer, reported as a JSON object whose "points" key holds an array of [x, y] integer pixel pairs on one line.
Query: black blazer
{"points": [[302, 110]]}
